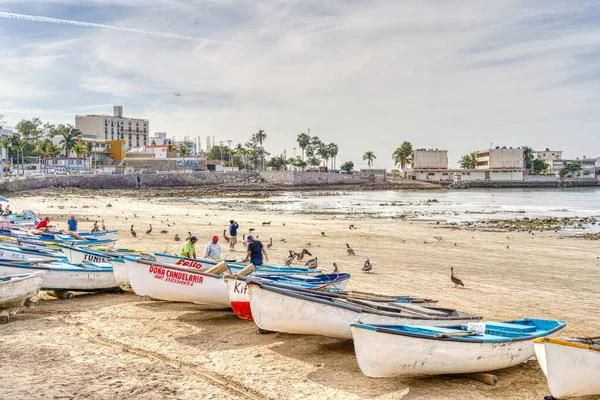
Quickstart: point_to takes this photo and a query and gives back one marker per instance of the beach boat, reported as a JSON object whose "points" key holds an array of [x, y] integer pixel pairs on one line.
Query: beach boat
{"points": [[100, 235], [175, 283], [394, 350], [293, 310], [203, 264], [240, 299], [572, 366], [15, 290], [12, 254], [63, 276]]}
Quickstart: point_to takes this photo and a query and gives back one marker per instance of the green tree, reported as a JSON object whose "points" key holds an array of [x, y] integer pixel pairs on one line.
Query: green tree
{"points": [[314, 161], [170, 149], [277, 163], [570, 168], [29, 129], [153, 142], [369, 157], [348, 166], [303, 142], [261, 136], [538, 166], [333, 152], [68, 137], [78, 150], [528, 157], [216, 151], [324, 153], [89, 148], [465, 161], [402, 155]]}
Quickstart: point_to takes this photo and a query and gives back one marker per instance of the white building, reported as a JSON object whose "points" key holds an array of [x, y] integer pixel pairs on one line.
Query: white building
{"points": [[159, 138], [500, 158], [133, 131], [548, 155], [429, 159]]}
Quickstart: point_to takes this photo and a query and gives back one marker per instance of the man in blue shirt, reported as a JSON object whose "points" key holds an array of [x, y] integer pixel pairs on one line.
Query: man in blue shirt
{"points": [[233, 227], [72, 222], [256, 250]]}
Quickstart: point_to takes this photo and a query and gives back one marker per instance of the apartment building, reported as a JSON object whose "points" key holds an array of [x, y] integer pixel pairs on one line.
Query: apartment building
{"points": [[134, 131]]}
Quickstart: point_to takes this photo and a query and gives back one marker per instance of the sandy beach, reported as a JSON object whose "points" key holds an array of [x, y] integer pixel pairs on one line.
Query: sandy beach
{"points": [[106, 346]]}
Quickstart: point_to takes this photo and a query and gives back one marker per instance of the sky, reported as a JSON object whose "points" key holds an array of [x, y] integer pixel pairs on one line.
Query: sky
{"points": [[459, 75]]}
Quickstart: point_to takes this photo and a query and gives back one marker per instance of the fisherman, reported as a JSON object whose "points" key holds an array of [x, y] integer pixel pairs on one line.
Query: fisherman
{"points": [[43, 225], [72, 222], [256, 250], [233, 227], [188, 250], [213, 249]]}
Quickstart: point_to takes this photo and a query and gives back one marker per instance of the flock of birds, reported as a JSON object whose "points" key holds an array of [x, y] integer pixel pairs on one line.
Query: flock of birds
{"points": [[312, 263]]}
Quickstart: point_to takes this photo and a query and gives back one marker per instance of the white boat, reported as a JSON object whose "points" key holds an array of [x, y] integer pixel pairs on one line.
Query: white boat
{"points": [[203, 264], [572, 366], [63, 276], [175, 283], [100, 235], [15, 290], [12, 254], [308, 312], [386, 351], [240, 298]]}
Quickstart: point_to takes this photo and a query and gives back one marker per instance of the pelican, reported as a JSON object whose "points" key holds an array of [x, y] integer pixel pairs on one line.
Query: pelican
{"points": [[133, 232], [177, 238], [266, 223], [455, 279], [335, 268], [367, 267], [271, 243], [244, 240], [303, 253], [95, 228], [227, 238], [149, 231], [164, 231], [349, 250], [103, 226], [289, 259], [312, 264]]}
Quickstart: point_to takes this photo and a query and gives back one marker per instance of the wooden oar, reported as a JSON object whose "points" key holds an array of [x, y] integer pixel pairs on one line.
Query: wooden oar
{"points": [[454, 334], [419, 309]]}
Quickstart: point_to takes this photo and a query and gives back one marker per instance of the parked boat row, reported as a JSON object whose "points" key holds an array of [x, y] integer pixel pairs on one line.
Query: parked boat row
{"points": [[393, 335]]}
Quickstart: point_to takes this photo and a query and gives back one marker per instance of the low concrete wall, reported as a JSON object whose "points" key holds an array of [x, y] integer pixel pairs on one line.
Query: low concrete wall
{"points": [[528, 184]]}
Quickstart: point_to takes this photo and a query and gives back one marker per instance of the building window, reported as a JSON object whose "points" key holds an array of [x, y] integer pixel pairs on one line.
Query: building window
{"points": [[122, 136], [106, 135]]}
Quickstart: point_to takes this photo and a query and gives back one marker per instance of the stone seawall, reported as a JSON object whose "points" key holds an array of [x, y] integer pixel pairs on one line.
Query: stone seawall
{"points": [[130, 181]]}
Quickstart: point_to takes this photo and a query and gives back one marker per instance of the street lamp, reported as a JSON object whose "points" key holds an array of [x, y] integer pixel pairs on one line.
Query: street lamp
{"points": [[229, 141]]}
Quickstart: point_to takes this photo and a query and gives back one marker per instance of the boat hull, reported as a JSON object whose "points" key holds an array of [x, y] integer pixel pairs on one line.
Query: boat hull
{"points": [[173, 283], [384, 355], [273, 311], [16, 290], [572, 369], [70, 278], [239, 296]]}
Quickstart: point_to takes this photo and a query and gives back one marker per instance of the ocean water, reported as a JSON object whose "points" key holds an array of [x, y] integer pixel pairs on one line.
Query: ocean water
{"points": [[442, 205]]}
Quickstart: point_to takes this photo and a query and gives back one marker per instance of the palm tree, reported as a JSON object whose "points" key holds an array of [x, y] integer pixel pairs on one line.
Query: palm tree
{"points": [[303, 142], [42, 151], [183, 151], [465, 161], [473, 160], [323, 151], [89, 148], [53, 151], [333, 152], [7, 144], [2, 155], [170, 149], [261, 136], [369, 156], [240, 150], [68, 136], [403, 154]]}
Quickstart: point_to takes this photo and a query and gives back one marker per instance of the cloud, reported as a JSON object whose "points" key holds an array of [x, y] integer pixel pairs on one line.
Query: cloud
{"points": [[367, 75]]}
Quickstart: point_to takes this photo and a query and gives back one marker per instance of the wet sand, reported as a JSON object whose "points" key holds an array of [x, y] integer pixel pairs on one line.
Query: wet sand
{"points": [[104, 346]]}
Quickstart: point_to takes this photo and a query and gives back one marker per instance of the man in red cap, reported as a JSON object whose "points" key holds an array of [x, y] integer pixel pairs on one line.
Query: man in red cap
{"points": [[213, 249]]}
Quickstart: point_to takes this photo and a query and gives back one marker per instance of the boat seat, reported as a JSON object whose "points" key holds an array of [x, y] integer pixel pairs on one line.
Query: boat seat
{"points": [[516, 328]]}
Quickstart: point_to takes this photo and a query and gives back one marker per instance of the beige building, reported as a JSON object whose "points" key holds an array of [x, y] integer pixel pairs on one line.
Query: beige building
{"points": [[548, 155], [429, 159], [133, 131], [500, 158]]}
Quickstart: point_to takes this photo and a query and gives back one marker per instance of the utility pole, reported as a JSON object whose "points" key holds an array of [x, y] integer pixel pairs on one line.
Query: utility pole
{"points": [[230, 164]]}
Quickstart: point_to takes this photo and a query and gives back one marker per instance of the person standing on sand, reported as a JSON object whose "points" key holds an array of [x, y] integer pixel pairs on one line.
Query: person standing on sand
{"points": [[213, 249], [188, 250], [233, 227], [72, 222], [256, 250]]}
